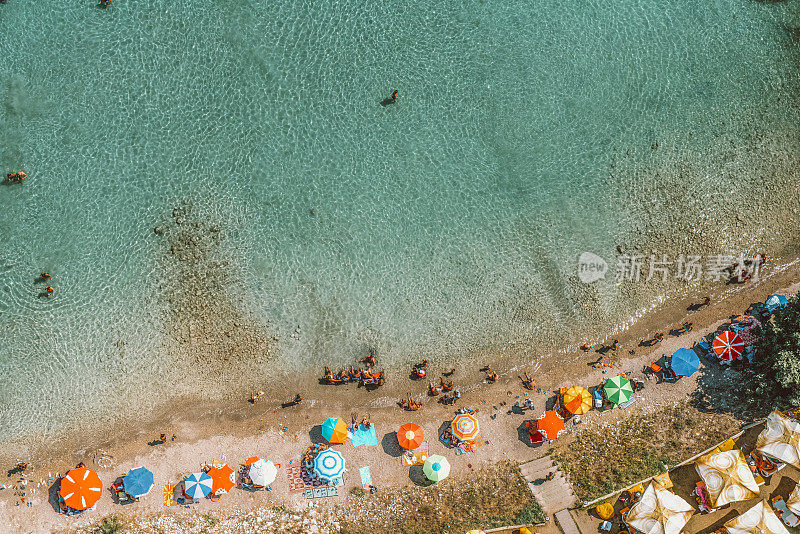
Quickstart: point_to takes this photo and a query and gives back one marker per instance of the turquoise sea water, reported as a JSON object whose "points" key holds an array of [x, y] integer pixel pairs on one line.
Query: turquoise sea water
{"points": [[525, 133]]}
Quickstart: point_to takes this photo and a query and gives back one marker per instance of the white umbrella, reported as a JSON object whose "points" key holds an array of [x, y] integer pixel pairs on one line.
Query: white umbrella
{"points": [[262, 472]]}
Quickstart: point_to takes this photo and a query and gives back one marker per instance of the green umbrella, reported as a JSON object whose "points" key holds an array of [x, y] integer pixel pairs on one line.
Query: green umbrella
{"points": [[436, 468], [618, 389]]}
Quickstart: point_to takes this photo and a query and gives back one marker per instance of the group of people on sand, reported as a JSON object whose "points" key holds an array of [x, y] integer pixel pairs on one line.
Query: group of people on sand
{"points": [[15, 177], [364, 377], [409, 404], [366, 423]]}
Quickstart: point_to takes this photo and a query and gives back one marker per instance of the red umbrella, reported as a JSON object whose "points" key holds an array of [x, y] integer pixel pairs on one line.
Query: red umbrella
{"points": [[728, 346], [550, 424]]}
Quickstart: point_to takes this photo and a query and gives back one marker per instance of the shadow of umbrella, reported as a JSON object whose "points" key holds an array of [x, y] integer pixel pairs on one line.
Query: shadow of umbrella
{"points": [[524, 437], [52, 495], [391, 446], [316, 434], [418, 477]]}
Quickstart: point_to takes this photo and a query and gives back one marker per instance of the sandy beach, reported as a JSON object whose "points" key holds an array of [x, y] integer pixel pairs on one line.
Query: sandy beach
{"points": [[238, 429]]}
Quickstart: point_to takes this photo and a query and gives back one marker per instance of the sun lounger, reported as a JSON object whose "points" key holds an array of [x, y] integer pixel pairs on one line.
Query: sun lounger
{"points": [[628, 402]]}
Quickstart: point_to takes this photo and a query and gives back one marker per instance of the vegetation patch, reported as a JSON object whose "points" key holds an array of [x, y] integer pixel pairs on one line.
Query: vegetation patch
{"points": [[493, 497], [110, 525], [601, 461]]}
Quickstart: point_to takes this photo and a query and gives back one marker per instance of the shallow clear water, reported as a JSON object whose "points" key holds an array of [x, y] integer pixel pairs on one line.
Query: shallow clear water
{"points": [[525, 133]]}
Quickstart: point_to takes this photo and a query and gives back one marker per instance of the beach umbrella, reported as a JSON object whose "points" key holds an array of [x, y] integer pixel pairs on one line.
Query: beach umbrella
{"points": [[436, 468], [464, 427], [659, 511], [334, 430], [780, 439], [197, 485], [618, 389], [262, 472], [793, 502], [329, 465], [727, 477], [80, 488], [138, 482], [222, 479], [728, 346], [774, 302], [760, 519], [578, 400], [410, 436], [550, 425], [685, 362]]}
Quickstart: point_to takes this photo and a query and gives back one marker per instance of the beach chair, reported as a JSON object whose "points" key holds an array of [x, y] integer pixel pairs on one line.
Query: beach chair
{"points": [[782, 511]]}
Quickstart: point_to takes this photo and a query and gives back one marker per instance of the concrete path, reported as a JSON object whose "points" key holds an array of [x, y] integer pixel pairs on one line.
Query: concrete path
{"points": [[554, 495]]}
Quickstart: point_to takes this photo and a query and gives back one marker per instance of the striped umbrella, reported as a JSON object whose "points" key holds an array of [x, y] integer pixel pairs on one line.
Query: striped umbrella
{"points": [[262, 472], [728, 346], [618, 389], [329, 465], [197, 485], [436, 468], [685, 362], [465, 427], [334, 430], [410, 436], [222, 479], [550, 425], [80, 488], [138, 482]]}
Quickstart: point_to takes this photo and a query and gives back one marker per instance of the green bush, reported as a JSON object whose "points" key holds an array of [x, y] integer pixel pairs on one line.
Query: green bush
{"points": [[531, 514], [110, 525], [774, 376]]}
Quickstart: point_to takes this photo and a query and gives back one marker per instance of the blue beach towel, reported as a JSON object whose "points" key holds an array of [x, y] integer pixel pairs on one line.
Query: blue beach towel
{"points": [[366, 477], [364, 436]]}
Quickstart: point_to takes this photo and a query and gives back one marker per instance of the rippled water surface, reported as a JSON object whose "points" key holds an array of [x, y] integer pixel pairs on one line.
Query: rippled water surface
{"points": [[524, 133]]}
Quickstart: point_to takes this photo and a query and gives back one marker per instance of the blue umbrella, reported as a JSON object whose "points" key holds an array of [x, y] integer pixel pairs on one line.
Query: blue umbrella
{"points": [[775, 301], [198, 485], [138, 482], [329, 465], [685, 362]]}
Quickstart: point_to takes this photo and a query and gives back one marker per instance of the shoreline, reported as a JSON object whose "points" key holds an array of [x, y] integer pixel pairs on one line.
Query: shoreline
{"points": [[240, 417], [238, 425]]}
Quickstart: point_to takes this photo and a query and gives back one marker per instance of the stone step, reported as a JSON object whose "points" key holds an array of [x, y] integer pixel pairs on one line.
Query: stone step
{"points": [[565, 521], [554, 494], [536, 466]]}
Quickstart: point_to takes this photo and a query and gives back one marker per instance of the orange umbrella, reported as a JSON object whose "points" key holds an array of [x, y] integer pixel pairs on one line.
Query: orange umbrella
{"points": [[222, 480], [81, 488], [550, 424], [410, 436], [578, 400], [251, 460]]}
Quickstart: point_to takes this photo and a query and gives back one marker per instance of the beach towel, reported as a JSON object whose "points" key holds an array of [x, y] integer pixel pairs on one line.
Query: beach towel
{"points": [[416, 456], [363, 436], [169, 495], [296, 484], [366, 477]]}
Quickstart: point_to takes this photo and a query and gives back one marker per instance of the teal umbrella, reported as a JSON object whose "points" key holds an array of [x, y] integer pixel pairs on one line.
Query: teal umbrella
{"points": [[436, 468], [774, 302], [618, 389]]}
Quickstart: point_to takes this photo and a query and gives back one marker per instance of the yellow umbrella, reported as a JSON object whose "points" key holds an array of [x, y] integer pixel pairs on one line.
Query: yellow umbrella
{"points": [[760, 519], [578, 400], [659, 511], [727, 477]]}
